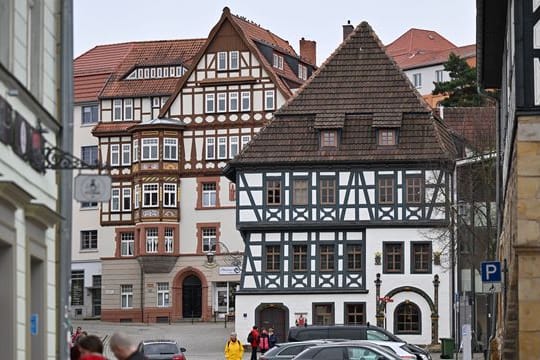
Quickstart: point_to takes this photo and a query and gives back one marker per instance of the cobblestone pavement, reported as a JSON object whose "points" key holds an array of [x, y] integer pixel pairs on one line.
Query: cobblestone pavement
{"points": [[203, 341]]}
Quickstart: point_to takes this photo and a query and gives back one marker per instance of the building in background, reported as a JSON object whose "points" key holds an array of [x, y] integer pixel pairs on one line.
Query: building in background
{"points": [[343, 203], [171, 114], [31, 78], [421, 54], [509, 61]]}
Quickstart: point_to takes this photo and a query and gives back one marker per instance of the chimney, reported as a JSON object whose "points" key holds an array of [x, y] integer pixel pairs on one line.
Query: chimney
{"points": [[308, 50], [347, 29]]}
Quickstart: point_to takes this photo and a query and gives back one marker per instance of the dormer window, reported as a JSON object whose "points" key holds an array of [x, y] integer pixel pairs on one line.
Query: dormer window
{"points": [[329, 138], [278, 61], [387, 137], [302, 72]]}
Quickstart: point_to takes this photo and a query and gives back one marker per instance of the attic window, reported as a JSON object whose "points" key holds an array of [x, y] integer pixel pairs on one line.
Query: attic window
{"points": [[302, 72], [387, 137], [278, 61], [329, 138]]}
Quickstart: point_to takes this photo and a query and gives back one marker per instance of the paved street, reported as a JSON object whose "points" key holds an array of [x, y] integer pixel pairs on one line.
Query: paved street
{"points": [[203, 341]]}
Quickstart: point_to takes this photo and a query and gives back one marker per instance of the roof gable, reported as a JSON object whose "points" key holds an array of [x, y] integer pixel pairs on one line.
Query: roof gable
{"points": [[417, 41]]}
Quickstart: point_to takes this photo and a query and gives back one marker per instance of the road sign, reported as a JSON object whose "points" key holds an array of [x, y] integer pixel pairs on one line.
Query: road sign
{"points": [[491, 271], [34, 321], [491, 287], [92, 188]]}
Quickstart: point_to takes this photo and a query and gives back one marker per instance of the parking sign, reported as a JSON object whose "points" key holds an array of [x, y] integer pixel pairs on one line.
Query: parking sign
{"points": [[491, 271]]}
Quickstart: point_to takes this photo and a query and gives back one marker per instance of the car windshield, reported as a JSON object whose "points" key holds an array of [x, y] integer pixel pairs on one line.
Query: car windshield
{"points": [[159, 349]]}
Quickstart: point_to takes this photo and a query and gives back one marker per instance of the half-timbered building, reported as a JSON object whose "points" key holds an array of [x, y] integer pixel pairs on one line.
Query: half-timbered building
{"points": [[171, 117], [341, 201]]}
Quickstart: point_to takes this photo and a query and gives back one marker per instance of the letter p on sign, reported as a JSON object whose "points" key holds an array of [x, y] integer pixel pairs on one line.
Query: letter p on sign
{"points": [[491, 271]]}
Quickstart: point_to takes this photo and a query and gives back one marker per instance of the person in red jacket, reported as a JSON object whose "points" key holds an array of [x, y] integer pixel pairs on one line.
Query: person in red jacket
{"points": [[253, 339], [264, 341]]}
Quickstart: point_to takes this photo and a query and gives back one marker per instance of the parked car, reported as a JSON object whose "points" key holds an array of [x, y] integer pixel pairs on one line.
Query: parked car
{"points": [[162, 350], [353, 332], [347, 351], [398, 348], [288, 350]]}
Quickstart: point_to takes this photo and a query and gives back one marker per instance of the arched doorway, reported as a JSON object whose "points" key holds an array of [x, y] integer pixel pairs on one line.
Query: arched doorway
{"points": [[273, 316], [191, 297]]}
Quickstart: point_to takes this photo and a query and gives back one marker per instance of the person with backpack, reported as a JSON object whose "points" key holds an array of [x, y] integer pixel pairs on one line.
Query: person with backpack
{"points": [[234, 350], [264, 343], [253, 340]]}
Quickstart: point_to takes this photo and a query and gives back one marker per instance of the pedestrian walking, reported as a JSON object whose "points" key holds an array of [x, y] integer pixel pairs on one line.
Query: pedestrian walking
{"points": [[264, 343], [124, 348], [234, 349], [272, 338], [253, 340], [90, 348]]}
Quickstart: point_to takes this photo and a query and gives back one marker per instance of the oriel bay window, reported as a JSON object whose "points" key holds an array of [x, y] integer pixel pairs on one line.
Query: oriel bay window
{"points": [[386, 190], [151, 240], [135, 150], [115, 155], [393, 257], [150, 195], [170, 149], [273, 258], [169, 195], [327, 191], [273, 192], [149, 148]]}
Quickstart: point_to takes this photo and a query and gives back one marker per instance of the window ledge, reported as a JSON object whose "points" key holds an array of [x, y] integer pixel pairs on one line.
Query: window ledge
{"points": [[88, 251]]}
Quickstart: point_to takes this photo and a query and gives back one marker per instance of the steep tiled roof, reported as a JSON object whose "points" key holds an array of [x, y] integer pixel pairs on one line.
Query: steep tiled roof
{"points": [[415, 40], [111, 128], [361, 82], [92, 69], [151, 53], [474, 125], [422, 59]]}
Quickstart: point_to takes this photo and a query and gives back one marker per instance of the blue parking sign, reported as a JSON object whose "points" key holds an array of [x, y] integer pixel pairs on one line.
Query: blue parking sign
{"points": [[491, 271], [34, 322]]}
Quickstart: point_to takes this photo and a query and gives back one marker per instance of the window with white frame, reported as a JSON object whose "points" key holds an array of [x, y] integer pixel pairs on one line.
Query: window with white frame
{"points": [[115, 199], [169, 240], [126, 199], [159, 72], [278, 61], [135, 150], [208, 239], [169, 195], [162, 294], [165, 72], [417, 79], [233, 146], [126, 296], [149, 149], [234, 60], [127, 244], [153, 72], [137, 196], [302, 72], [90, 114], [210, 103], [115, 155], [126, 154], [179, 71], [210, 148], [245, 140], [151, 240], [170, 149], [146, 73], [222, 147], [117, 109], [233, 101], [246, 101], [209, 194], [221, 102], [89, 239], [439, 75], [128, 109], [155, 102], [150, 195], [269, 102], [222, 60]]}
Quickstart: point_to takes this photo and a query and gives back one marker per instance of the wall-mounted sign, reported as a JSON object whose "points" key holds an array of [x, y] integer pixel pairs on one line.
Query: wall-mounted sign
{"points": [[92, 188], [229, 270]]}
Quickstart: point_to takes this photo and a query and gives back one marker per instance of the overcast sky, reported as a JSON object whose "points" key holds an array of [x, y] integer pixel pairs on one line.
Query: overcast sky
{"points": [[99, 22]]}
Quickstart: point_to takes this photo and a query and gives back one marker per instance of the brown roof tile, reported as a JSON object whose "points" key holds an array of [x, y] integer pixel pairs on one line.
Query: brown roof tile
{"points": [[415, 40], [434, 57], [475, 125], [110, 128], [361, 82]]}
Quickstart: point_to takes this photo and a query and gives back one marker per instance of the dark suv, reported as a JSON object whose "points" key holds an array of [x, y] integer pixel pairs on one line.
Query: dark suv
{"points": [[352, 332]]}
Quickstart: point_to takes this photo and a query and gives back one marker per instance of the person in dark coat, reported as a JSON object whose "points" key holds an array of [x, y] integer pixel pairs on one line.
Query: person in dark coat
{"points": [[272, 338], [124, 348], [254, 334]]}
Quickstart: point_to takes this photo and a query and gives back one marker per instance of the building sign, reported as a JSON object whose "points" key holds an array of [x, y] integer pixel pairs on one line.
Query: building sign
{"points": [[229, 270], [26, 141], [92, 188]]}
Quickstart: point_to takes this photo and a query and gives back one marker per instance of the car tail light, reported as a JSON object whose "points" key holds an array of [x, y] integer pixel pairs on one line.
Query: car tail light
{"points": [[179, 357]]}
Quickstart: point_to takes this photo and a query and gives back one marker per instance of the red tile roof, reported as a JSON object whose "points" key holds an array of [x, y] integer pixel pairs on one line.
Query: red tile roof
{"points": [[111, 128], [362, 87], [418, 48], [476, 126], [151, 53]]}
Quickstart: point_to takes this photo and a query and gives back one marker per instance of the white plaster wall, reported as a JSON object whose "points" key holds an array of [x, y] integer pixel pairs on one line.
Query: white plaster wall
{"points": [[428, 77]]}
